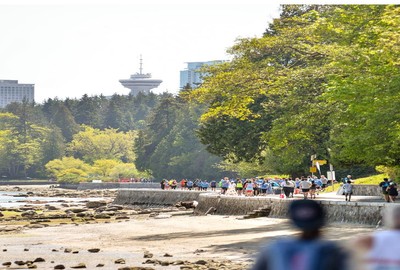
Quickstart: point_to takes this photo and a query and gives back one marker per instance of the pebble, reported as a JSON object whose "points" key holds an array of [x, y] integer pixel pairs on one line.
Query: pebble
{"points": [[94, 250], [59, 266], [136, 268], [119, 261], [147, 255], [202, 262], [80, 265]]}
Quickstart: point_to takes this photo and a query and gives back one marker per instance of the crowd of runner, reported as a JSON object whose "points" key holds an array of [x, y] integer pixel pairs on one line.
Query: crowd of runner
{"points": [[309, 186]]}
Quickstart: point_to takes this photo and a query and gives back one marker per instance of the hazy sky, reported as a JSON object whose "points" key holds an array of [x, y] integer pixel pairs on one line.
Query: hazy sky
{"points": [[69, 48]]}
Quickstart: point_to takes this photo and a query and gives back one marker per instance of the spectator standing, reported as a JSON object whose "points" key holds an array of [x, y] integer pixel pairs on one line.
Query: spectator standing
{"points": [[308, 251]]}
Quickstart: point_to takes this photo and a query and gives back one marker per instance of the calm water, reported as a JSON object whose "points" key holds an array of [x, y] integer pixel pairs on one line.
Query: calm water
{"points": [[7, 199]]}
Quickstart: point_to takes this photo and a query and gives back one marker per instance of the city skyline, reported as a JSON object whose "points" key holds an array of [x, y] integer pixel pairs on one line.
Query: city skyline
{"points": [[68, 50], [71, 48]]}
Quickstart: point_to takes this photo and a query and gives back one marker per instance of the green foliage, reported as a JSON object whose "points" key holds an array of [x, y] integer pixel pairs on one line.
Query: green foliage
{"points": [[93, 144], [324, 80], [127, 170], [68, 169], [169, 148], [73, 170], [371, 180], [392, 172], [20, 144], [72, 175]]}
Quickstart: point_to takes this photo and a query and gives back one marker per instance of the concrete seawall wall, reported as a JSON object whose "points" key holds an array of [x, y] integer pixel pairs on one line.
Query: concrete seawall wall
{"points": [[363, 190], [337, 211], [154, 196]]}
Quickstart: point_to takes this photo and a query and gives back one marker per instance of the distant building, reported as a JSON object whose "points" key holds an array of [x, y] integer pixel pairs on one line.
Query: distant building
{"points": [[192, 76], [140, 82], [12, 91]]}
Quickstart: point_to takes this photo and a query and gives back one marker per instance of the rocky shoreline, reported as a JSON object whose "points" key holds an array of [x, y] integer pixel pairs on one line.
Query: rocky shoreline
{"points": [[39, 214], [94, 233]]}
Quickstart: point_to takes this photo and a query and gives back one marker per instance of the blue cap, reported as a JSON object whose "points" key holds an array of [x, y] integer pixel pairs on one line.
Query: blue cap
{"points": [[307, 214]]}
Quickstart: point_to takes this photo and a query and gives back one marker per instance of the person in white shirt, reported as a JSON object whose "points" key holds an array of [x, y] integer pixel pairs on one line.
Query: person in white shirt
{"points": [[305, 187], [382, 248]]}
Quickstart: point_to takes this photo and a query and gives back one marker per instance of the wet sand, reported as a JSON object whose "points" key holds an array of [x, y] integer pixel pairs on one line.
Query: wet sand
{"points": [[184, 237]]}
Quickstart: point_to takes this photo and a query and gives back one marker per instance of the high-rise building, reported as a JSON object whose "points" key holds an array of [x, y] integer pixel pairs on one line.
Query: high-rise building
{"points": [[140, 82], [12, 91], [192, 76]]}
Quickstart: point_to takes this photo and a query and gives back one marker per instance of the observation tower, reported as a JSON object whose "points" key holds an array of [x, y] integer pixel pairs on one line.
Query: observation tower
{"points": [[140, 82]]}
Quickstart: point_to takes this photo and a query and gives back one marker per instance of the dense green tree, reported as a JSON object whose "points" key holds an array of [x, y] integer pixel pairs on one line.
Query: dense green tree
{"points": [[93, 144], [90, 110], [324, 74], [53, 146], [68, 169], [20, 145], [168, 147]]}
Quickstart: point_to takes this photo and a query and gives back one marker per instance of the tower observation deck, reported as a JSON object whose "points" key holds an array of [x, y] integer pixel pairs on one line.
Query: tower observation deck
{"points": [[140, 82]]}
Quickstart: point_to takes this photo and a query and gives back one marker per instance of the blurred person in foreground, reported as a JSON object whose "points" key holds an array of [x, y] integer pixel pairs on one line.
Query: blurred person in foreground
{"points": [[381, 249], [307, 251]]}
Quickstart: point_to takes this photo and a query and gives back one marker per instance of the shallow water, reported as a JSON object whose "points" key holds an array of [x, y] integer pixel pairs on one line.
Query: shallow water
{"points": [[7, 199]]}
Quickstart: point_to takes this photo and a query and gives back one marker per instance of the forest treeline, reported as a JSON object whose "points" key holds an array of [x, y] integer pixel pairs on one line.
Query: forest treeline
{"points": [[322, 80], [104, 138]]}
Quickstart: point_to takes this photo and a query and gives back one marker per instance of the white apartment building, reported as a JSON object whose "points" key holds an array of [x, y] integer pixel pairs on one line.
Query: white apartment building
{"points": [[192, 76], [12, 91]]}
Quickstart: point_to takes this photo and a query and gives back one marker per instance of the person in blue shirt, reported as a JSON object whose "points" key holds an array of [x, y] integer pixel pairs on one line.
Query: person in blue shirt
{"points": [[225, 185], [308, 251], [213, 185], [264, 186], [205, 185], [189, 184]]}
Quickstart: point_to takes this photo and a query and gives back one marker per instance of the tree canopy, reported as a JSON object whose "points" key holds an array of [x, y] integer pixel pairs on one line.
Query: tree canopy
{"points": [[324, 80]]}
